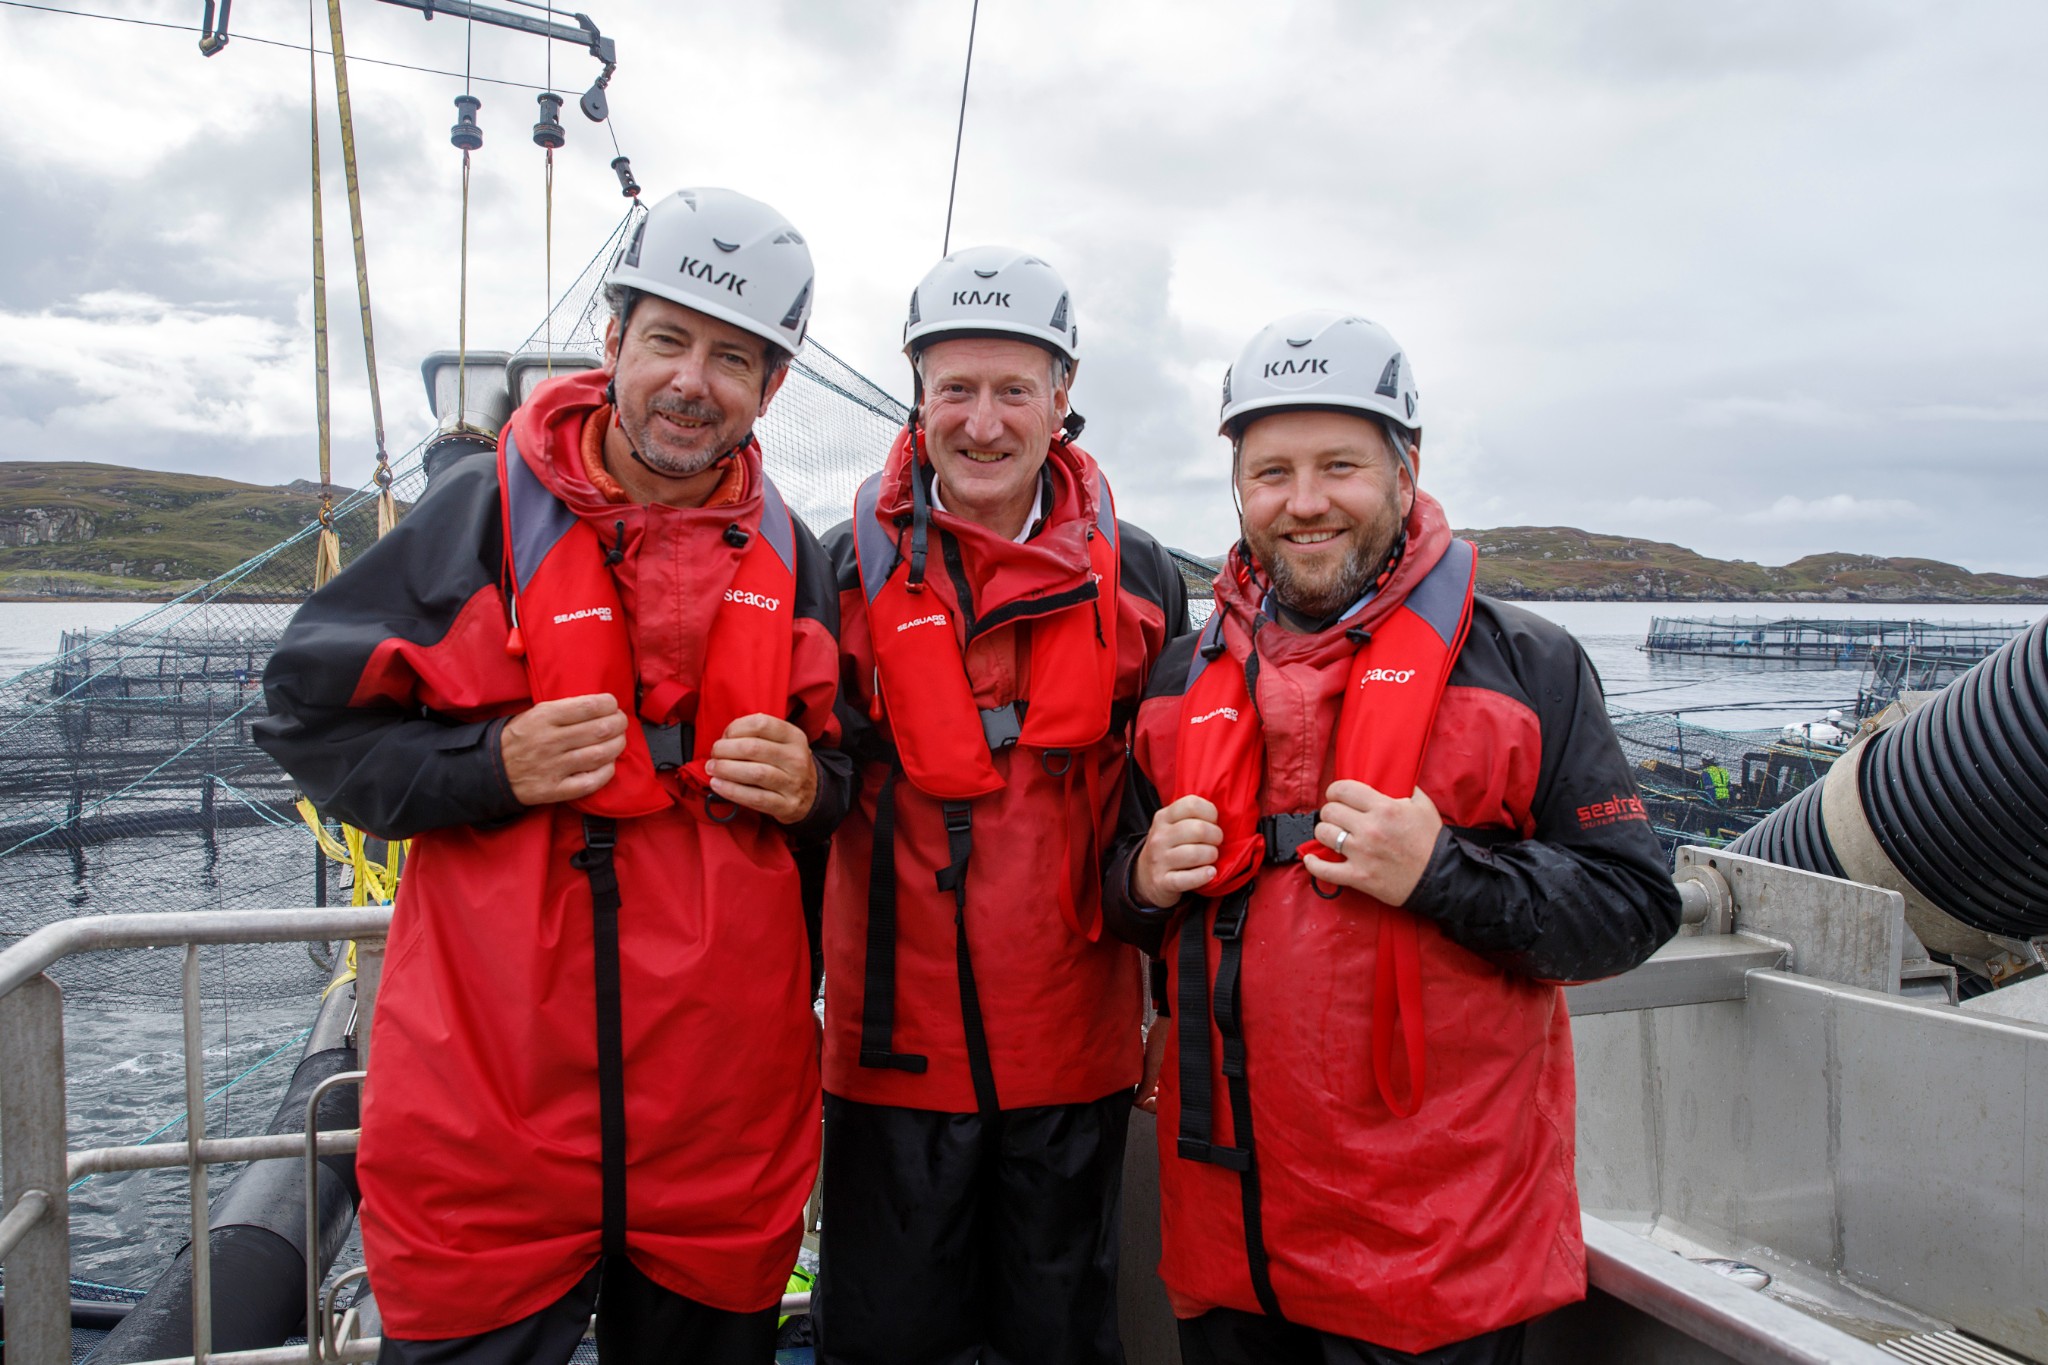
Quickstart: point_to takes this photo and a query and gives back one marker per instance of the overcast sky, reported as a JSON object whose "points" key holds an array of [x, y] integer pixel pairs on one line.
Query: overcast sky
{"points": [[1762, 277]]}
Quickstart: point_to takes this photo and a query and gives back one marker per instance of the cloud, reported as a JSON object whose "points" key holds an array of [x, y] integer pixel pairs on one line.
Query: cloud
{"points": [[1798, 411], [1657, 268], [116, 362], [1834, 509]]}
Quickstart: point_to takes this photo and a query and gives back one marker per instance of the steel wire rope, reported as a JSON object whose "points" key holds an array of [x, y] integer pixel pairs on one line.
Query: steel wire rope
{"points": [[246, 38], [462, 274], [960, 128], [547, 291]]}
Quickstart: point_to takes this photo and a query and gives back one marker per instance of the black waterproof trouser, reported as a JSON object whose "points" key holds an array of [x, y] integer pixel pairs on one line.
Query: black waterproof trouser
{"points": [[954, 1238], [638, 1323], [1227, 1336]]}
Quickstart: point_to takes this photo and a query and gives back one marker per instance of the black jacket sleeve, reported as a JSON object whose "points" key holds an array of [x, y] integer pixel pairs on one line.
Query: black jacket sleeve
{"points": [[1588, 894], [385, 769], [1122, 913], [817, 600]]}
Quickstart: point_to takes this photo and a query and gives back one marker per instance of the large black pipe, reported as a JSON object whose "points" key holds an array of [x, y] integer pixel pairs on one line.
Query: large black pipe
{"points": [[257, 1228], [1949, 806]]}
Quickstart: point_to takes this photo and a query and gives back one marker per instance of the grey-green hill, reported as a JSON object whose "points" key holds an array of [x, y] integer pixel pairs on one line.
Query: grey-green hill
{"points": [[73, 529]]}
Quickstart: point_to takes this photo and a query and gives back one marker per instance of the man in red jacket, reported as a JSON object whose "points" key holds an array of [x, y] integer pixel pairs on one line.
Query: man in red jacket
{"points": [[982, 1036], [592, 679], [1397, 818]]}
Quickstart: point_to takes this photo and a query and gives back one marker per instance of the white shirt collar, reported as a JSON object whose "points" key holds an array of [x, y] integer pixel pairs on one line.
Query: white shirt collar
{"points": [[1030, 520]]}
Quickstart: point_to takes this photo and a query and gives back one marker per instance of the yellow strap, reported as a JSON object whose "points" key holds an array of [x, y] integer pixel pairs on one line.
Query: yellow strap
{"points": [[355, 216], [376, 882]]}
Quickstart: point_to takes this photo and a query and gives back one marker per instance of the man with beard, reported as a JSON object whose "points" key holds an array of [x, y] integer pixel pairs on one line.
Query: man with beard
{"points": [[1399, 819], [981, 1034], [592, 678]]}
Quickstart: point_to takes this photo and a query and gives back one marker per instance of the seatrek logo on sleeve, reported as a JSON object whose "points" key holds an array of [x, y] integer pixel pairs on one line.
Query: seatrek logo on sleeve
{"points": [[1385, 675], [587, 613], [747, 598], [1227, 712], [937, 618]]}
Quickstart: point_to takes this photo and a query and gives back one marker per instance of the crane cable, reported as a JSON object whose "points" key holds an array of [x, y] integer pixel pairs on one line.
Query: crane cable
{"points": [[547, 301], [387, 506], [960, 129], [468, 112], [327, 547]]}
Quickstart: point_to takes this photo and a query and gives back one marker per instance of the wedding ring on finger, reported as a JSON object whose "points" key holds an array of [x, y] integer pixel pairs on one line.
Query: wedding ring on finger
{"points": [[1338, 847]]}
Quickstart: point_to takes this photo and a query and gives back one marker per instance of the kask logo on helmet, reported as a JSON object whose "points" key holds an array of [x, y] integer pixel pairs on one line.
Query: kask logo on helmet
{"points": [[717, 279], [1387, 675], [981, 298], [1306, 365], [747, 598]]}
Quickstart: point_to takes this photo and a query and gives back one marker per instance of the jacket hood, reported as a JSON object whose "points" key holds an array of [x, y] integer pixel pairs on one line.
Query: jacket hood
{"points": [[1242, 587], [548, 433], [1000, 569]]}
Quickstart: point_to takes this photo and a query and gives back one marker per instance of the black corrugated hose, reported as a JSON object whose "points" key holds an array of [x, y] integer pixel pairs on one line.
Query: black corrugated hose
{"points": [[1956, 795]]}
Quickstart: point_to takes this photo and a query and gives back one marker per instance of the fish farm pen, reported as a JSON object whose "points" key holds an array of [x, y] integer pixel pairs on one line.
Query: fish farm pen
{"points": [[1806, 640]]}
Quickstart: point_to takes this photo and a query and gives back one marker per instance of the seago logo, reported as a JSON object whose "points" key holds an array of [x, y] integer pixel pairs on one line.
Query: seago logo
{"points": [[716, 278], [981, 298], [1305, 365], [1227, 712], [1386, 675], [747, 598], [937, 618], [587, 613]]}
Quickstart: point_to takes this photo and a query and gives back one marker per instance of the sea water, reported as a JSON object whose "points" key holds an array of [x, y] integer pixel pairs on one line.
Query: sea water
{"points": [[125, 1059]]}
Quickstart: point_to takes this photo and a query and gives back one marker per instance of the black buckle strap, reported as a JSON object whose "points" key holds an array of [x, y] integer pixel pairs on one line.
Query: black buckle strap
{"points": [[1003, 726], [959, 816], [1286, 832], [671, 745], [952, 877], [1196, 1142], [594, 860], [1197, 1110], [878, 994]]}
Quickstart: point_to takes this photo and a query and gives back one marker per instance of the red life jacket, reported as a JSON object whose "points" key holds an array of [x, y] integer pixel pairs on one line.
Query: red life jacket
{"points": [[568, 625], [942, 739], [1396, 683]]}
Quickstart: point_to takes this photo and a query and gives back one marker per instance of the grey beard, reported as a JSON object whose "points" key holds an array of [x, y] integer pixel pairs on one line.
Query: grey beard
{"points": [[673, 466]]}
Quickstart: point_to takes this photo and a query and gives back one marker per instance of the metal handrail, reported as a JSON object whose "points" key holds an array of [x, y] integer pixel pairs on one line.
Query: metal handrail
{"points": [[36, 1167]]}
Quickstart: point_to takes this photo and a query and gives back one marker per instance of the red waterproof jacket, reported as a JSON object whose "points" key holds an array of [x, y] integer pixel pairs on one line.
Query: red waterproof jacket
{"points": [[1410, 1231], [1059, 1006], [480, 1160]]}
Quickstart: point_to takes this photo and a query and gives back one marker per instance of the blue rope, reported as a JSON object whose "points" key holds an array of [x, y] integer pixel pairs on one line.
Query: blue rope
{"points": [[251, 1070]]}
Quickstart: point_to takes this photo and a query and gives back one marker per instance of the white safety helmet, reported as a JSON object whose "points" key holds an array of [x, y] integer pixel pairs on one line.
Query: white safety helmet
{"points": [[1322, 358], [724, 255], [993, 291]]}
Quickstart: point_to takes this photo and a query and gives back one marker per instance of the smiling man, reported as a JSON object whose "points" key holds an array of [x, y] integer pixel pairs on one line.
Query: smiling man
{"points": [[592, 679], [1375, 870], [982, 1036]]}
